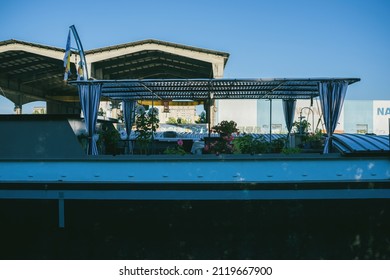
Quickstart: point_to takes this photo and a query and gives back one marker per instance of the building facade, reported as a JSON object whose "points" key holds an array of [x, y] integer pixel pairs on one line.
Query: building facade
{"points": [[263, 116]]}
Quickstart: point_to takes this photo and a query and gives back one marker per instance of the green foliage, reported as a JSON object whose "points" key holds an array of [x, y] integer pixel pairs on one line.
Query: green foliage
{"points": [[109, 135], [248, 145], [171, 120], [223, 144], [290, 151], [225, 127], [312, 137], [277, 145], [301, 127], [176, 150], [146, 124], [108, 139], [313, 140], [202, 118]]}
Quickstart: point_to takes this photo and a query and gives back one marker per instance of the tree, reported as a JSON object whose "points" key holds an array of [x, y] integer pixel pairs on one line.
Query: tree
{"points": [[202, 118], [171, 120]]}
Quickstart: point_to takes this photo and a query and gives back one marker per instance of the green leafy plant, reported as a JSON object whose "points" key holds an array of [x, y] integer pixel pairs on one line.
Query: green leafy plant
{"points": [[146, 123], [202, 118], [290, 151], [108, 140], [313, 140], [221, 145], [277, 145], [176, 150], [247, 144], [225, 128], [301, 127]]}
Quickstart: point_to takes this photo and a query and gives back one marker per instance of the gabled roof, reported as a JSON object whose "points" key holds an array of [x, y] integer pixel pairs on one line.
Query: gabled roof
{"points": [[155, 59], [30, 71], [158, 42], [29, 44]]}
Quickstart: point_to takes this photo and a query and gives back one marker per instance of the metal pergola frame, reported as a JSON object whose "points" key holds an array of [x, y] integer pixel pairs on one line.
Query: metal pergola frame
{"points": [[206, 89]]}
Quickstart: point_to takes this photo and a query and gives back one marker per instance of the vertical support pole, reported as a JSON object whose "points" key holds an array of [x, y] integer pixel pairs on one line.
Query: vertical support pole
{"points": [[90, 123], [389, 134], [208, 111], [61, 210], [270, 120]]}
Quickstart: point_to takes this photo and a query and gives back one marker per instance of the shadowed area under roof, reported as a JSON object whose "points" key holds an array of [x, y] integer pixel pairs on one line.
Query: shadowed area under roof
{"points": [[34, 72]]}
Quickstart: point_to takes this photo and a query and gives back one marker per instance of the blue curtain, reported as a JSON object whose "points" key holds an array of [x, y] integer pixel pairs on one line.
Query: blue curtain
{"points": [[129, 115], [332, 95], [289, 112], [90, 99]]}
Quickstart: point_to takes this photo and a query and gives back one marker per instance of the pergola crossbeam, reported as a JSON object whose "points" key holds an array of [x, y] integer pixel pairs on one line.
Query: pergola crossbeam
{"points": [[200, 89]]}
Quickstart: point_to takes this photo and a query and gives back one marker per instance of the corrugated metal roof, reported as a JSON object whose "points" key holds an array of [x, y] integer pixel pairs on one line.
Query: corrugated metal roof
{"points": [[361, 143]]}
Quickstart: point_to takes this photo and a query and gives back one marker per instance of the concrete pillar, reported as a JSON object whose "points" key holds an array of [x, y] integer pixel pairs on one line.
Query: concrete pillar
{"points": [[218, 68], [91, 72]]}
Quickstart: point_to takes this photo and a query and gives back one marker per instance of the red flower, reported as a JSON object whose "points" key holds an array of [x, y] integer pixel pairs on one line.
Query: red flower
{"points": [[180, 142]]}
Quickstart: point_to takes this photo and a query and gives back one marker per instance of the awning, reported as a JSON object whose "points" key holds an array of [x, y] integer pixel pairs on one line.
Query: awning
{"points": [[203, 89]]}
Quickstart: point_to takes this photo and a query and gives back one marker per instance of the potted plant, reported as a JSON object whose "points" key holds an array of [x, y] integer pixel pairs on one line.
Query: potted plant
{"points": [[313, 140], [301, 127], [225, 128], [176, 150], [223, 144]]}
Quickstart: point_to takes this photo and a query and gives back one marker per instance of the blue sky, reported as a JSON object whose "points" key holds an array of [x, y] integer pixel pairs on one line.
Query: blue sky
{"points": [[281, 39]]}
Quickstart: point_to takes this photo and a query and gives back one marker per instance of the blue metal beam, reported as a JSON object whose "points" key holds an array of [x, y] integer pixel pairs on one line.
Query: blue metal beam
{"points": [[202, 170]]}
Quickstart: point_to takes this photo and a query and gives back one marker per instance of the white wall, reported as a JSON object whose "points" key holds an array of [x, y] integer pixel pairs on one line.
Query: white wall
{"points": [[381, 116], [243, 112]]}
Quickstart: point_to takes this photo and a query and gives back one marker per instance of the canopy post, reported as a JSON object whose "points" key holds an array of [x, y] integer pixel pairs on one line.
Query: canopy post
{"points": [[208, 108], [270, 120], [61, 210]]}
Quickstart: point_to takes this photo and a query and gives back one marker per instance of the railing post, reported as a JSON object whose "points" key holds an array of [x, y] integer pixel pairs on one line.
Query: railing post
{"points": [[61, 210]]}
